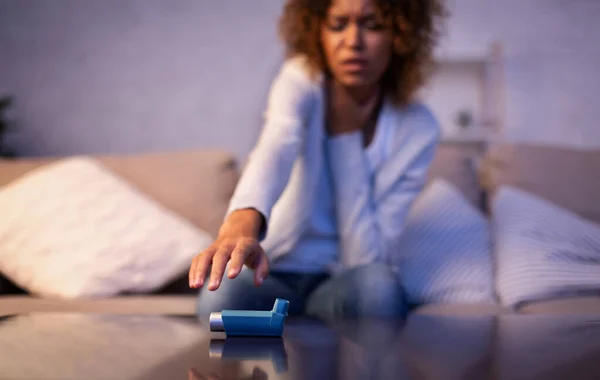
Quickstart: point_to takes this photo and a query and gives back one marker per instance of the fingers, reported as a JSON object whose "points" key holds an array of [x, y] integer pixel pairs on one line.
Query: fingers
{"points": [[219, 263], [194, 374], [262, 269], [238, 258], [192, 273], [231, 255], [199, 267]]}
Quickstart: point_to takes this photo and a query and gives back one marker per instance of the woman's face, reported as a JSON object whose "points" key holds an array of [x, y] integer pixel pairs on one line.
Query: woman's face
{"points": [[355, 43]]}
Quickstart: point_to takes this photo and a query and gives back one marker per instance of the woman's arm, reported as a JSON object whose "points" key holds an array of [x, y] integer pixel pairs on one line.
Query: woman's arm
{"points": [[263, 180], [371, 211], [270, 163]]}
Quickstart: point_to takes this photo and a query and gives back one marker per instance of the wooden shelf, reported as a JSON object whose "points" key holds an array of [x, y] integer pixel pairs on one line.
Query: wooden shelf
{"points": [[468, 83], [477, 56]]}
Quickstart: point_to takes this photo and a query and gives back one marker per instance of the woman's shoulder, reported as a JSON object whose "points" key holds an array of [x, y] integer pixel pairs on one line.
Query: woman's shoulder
{"points": [[293, 92], [298, 70]]}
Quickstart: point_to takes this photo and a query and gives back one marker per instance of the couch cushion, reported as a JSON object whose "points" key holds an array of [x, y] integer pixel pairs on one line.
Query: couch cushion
{"points": [[87, 233], [445, 253], [173, 305], [566, 177], [195, 184], [572, 305], [457, 164], [542, 251]]}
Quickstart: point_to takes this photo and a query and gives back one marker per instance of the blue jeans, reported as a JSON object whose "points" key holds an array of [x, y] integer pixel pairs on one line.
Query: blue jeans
{"points": [[368, 291]]}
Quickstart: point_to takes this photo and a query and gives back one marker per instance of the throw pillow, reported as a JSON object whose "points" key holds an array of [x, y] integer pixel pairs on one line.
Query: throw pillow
{"points": [[543, 251], [73, 229], [445, 252]]}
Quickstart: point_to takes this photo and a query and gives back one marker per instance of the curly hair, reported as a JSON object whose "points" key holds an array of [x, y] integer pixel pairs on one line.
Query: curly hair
{"points": [[415, 25]]}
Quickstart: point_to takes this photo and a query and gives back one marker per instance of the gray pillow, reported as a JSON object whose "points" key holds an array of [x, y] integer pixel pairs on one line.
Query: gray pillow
{"points": [[542, 250], [445, 253]]}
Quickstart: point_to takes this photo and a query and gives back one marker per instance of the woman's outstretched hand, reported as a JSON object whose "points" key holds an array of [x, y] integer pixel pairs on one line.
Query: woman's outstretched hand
{"points": [[236, 245]]}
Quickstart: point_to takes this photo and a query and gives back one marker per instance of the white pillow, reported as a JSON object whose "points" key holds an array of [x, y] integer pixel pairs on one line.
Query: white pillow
{"points": [[445, 253], [73, 229], [542, 250]]}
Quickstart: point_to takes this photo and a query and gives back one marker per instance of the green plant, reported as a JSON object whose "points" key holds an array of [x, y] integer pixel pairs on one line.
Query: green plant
{"points": [[6, 124]]}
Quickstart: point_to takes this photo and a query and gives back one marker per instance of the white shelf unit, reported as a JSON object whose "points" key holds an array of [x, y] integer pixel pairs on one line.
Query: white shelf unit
{"points": [[467, 83]]}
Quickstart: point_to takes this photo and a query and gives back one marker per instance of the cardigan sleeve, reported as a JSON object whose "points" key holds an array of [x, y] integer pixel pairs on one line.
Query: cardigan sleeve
{"points": [[372, 209], [270, 162]]}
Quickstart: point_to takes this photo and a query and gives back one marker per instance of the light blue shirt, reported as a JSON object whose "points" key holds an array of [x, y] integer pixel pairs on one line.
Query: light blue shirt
{"points": [[330, 204]]}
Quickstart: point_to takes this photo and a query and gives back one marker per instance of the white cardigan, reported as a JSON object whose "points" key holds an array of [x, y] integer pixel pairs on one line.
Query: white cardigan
{"points": [[280, 177]]}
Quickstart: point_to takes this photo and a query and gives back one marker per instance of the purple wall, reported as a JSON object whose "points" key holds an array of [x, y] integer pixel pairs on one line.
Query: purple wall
{"points": [[99, 76], [132, 75]]}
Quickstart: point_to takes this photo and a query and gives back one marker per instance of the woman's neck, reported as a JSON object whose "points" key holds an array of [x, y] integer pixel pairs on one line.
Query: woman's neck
{"points": [[362, 94], [371, 124]]}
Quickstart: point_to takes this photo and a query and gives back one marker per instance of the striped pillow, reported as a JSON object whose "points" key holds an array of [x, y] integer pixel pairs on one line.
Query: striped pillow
{"points": [[542, 250], [445, 253]]}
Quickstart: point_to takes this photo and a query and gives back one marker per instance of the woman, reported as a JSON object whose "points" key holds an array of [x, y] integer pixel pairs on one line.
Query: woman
{"points": [[344, 151]]}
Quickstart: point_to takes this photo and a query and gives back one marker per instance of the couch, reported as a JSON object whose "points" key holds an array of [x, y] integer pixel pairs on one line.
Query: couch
{"points": [[194, 184], [198, 184]]}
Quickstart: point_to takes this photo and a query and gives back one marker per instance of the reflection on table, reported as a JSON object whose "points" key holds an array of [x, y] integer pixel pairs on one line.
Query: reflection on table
{"points": [[251, 348], [95, 346]]}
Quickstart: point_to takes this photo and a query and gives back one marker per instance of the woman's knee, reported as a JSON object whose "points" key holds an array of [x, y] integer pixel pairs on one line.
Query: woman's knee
{"points": [[367, 291], [376, 292]]}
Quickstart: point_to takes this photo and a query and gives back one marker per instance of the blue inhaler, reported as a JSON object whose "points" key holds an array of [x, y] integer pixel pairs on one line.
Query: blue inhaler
{"points": [[251, 322]]}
